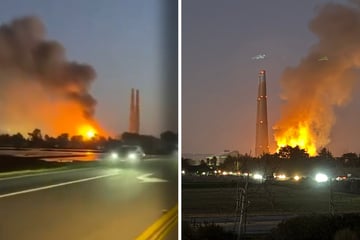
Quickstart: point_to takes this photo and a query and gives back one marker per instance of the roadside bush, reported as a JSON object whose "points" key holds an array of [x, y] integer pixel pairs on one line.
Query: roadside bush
{"points": [[205, 231], [318, 227]]}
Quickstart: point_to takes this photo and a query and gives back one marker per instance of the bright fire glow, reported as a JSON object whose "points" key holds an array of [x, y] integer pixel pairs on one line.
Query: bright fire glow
{"points": [[53, 117], [297, 136], [90, 134], [87, 131]]}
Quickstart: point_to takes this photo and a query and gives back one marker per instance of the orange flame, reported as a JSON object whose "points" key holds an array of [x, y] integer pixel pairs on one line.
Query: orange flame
{"points": [[300, 136], [71, 120], [52, 114], [87, 131]]}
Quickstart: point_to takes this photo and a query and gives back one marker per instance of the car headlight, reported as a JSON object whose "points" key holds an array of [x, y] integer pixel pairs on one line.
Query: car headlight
{"points": [[114, 155], [132, 156], [320, 177], [258, 176]]}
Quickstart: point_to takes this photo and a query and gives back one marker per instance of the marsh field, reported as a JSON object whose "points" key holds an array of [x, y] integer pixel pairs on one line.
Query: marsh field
{"points": [[209, 196]]}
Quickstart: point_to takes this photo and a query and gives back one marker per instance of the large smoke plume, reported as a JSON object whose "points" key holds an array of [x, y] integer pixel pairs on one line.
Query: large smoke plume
{"points": [[39, 87], [314, 88]]}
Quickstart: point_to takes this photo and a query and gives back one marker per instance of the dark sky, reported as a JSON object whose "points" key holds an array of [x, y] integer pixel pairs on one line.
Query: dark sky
{"points": [[125, 42], [219, 84]]}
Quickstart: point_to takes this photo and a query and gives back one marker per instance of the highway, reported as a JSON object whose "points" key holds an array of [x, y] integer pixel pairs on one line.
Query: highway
{"points": [[99, 202]]}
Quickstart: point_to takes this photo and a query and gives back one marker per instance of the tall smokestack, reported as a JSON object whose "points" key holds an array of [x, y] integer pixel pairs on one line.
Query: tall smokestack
{"points": [[132, 112], [137, 112], [134, 121], [262, 144]]}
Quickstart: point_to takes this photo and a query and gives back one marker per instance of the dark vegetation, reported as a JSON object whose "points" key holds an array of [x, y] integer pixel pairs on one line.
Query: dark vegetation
{"points": [[205, 193], [316, 227], [319, 227], [205, 231], [289, 160], [13, 163], [166, 144]]}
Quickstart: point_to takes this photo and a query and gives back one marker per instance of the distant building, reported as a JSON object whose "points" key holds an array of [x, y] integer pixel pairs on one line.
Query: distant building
{"points": [[220, 158]]}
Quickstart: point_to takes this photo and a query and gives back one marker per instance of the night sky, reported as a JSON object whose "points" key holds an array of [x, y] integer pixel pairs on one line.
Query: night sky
{"points": [[219, 84], [125, 42]]}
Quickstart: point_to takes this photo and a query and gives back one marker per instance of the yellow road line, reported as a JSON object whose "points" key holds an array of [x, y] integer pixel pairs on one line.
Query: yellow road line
{"points": [[161, 235], [162, 226]]}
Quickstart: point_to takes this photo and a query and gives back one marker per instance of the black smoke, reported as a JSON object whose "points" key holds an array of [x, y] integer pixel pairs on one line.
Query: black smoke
{"points": [[26, 55]]}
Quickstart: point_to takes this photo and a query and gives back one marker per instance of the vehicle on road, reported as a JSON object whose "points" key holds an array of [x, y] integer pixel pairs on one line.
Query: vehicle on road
{"points": [[131, 154]]}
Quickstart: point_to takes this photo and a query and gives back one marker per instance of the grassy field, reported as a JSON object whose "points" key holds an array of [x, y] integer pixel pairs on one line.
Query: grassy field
{"points": [[280, 198]]}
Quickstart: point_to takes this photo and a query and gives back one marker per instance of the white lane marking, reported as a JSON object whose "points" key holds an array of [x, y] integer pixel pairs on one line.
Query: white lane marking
{"points": [[56, 185], [42, 173], [146, 179]]}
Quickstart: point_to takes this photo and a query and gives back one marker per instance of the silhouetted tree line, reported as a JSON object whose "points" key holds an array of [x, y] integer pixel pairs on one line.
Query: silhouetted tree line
{"points": [[319, 227], [290, 160], [166, 144]]}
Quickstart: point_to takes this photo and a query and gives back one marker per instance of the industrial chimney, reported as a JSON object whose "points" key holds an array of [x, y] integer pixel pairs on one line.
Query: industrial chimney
{"points": [[134, 120], [137, 112], [262, 142]]}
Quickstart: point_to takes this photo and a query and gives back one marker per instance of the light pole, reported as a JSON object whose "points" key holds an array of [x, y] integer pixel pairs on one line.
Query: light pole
{"points": [[331, 198]]}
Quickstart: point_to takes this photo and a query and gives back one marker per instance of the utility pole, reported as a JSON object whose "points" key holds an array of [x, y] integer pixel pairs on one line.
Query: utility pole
{"points": [[331, 198], [241, 202], [245, 206]]}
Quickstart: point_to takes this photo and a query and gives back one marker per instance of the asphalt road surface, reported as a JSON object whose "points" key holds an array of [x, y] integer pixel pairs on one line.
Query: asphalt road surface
{"points": [[103, 202]]}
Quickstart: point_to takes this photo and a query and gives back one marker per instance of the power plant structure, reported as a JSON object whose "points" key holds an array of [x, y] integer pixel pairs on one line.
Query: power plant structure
{"points": [[134, 121], [262, 140]]}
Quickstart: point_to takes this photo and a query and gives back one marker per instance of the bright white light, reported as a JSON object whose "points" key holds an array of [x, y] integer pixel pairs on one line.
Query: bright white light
{"points": [[257, 176], [132, 156], [114, 155], [296, 178], [225, 173], [203, 173], [320, 177], [183, 172], [281, 176]]}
